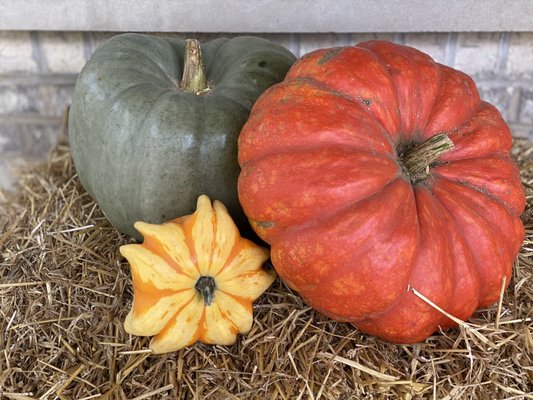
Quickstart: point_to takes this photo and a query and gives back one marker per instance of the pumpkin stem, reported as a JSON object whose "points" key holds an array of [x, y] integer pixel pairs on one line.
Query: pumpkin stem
{"points": [[194, 79], [206, 286], [418, 159]]}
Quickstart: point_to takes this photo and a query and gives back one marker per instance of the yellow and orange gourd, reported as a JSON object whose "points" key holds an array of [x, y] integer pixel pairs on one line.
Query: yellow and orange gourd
{"points": [[194, 279]]}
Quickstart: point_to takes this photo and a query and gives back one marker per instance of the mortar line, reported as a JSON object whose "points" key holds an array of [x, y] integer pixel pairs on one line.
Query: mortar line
{"points": [[399, 38], [503, 53], [88, 45], [295, 44], [37, 52], [450, 51]]}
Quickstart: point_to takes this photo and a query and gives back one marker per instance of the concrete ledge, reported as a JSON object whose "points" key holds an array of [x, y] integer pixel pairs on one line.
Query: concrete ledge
{"points": [[254, 16]]}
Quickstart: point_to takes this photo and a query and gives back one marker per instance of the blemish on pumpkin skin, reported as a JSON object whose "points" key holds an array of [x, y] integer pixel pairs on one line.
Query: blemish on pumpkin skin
{"points": [[329, 55], [265, 224]]}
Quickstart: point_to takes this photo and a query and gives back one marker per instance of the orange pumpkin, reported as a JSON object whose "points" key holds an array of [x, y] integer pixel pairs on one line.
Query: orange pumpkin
{"points": [[372, 170], [194, 279]]}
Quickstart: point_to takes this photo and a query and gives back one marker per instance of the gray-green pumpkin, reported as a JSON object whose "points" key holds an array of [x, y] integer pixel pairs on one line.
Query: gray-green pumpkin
{"points": [[144, 145]]}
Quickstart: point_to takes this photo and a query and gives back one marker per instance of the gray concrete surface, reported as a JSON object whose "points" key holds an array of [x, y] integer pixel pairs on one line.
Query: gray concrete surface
{"points": [[268, 15]]}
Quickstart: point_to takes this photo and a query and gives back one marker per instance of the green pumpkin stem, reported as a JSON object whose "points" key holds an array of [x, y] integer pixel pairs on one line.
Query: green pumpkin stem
{"points": [[206, 287], [418, 159], [194, 79]]}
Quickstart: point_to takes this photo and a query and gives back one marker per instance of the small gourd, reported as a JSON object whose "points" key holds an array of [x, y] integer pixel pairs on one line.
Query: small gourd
{"points": [[194, 279]]}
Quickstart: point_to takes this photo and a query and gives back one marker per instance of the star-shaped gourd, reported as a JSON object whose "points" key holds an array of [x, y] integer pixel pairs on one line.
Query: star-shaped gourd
{"points": [[194, 279]]}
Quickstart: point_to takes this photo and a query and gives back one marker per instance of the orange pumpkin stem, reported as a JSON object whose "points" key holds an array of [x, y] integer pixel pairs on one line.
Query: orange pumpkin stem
{"points": [[417, 160]]}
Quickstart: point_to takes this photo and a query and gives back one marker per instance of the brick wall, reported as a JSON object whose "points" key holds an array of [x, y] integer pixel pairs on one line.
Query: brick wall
{"points": [[38, 71]]}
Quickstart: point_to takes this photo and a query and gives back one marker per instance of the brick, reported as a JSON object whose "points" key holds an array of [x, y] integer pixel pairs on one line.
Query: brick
{"points": [[520, 57], [10, 140], [477, 54], [525, 113], [15, 100], [522, 131], [433, 44], [42, 100], [38, 140], [16, 53], [6, 175], [53, 99], [30, 142], [501, 98], [63, 52]]}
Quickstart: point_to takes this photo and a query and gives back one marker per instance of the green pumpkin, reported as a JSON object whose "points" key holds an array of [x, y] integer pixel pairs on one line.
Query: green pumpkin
{"points": [[144, 148]]}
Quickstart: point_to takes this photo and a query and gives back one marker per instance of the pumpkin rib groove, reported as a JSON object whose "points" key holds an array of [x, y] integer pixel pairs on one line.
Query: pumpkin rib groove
{"points": [[164, 77], [484, 134], [235, 250], [302, 250], [117, 99], [466, 246], [166, 81], [234, 329], [138, 212], [187, 229], [462, 235], [495, 228], [148, 243], [221, 95], [510, 209], [402, 135], [143, 208], [172, 320], [417, 278], [328, 67], [493, 238], [391, 66], [440, 85], [472, 110], [243, 301], [214, 55], [502, 154], [292, 148], [318, 220], [184, 305], [309, 148], [357, 102], [434, 100], [379, 314], [271, 74]]}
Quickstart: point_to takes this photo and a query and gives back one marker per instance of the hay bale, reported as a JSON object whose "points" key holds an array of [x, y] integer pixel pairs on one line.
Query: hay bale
{"points": [[65, 291]]}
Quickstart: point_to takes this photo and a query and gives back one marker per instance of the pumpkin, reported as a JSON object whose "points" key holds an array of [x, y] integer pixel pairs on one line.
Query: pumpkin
{"points": [[194, 279], [380, 179], [154, 124]]}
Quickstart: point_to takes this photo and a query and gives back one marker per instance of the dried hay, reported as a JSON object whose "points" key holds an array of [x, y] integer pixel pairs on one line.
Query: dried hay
{"points": [[64, 293]]}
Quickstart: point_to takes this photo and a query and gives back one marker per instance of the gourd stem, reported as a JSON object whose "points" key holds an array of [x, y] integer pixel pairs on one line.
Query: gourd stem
{"points": [[206, 286], [418, 159], [194, 79]]}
